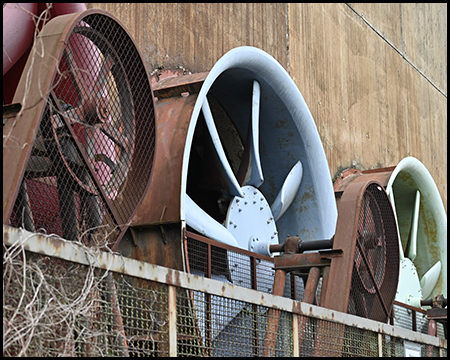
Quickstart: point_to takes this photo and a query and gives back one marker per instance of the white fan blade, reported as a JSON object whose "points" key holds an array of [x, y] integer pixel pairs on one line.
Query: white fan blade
{"points": [[198, 219], [411, 248], [234, 187], [288, 191], [430, 279], [256, 178]]}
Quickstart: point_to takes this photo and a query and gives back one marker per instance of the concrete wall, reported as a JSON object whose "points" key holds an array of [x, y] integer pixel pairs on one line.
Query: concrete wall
{"points": [[373, 75]]}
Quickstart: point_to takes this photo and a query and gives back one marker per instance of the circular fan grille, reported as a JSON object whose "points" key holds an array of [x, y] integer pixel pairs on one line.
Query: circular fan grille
{"points": [[95, 146], [375, 266]]}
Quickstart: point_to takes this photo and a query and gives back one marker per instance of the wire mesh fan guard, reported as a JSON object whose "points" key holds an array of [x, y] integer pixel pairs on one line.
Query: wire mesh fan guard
{"points": [[376, 257], [93, 152]]}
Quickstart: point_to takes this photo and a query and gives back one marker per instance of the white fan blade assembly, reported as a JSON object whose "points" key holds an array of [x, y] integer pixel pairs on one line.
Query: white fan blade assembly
{"points": [[430, 279], [422, 228]]}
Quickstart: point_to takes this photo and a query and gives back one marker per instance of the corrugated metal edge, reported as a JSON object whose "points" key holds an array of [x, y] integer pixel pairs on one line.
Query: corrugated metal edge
{"points": [[70, 251]]}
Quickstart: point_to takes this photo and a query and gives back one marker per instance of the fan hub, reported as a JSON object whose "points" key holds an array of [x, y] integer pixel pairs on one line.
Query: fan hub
{"points": [[251, 222]]}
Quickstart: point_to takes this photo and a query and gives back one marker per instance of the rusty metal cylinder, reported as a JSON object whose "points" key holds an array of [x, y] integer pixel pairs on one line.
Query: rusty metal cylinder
{"points": [[296, 245]]}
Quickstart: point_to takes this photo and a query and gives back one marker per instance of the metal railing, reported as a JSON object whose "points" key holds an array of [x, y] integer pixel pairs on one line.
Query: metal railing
{"points": [[61, 298]]}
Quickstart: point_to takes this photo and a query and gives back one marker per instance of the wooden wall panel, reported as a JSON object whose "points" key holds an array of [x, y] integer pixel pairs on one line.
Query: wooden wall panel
{"points": [[373, 75]]}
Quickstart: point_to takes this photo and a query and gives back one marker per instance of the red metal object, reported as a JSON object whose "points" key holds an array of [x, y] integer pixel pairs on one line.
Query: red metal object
{"points": [[18, 33], [18, 30], [298, 264]]}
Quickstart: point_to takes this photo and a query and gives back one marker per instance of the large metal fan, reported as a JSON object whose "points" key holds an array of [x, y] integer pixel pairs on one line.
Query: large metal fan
{"points": [[86, 136], [422, 227], [246, 163], [254, 170], [421, 224]]}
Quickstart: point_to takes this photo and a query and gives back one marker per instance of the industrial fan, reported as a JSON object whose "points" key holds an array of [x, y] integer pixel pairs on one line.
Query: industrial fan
{"points": [[364, 280], [247, 169], [237, 139], [78, 159], [421, 225], [248, 95]]}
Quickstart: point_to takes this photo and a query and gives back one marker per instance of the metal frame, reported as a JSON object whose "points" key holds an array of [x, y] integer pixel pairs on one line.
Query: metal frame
{"points": [[70, 251]]}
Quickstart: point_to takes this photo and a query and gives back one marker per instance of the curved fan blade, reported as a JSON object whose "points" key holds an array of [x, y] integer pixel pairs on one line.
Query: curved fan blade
{"points": [[411, 247], [430, 279], [257, 177], [233, 184], [288, 191], [250, 171], [206, 225]]}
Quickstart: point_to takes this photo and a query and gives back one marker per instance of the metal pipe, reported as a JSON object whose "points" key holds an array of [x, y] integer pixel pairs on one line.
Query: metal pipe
{"points": [[18, 30], [303, 245], [315, 245]]}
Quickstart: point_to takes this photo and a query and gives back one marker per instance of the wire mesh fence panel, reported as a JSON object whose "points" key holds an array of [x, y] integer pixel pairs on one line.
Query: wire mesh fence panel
{"points": [[54, 307], [238, 268], [227, 327], [398, 347]]}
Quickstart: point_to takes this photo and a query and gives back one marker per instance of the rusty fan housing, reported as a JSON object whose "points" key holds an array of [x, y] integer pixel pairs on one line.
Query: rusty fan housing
{"points": [[78, 159], [364, 281]]}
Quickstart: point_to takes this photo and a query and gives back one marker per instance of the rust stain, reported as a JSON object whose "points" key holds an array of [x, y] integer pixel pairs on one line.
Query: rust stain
{"points": [[177, 278], [297, 307], [169, 277]]}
